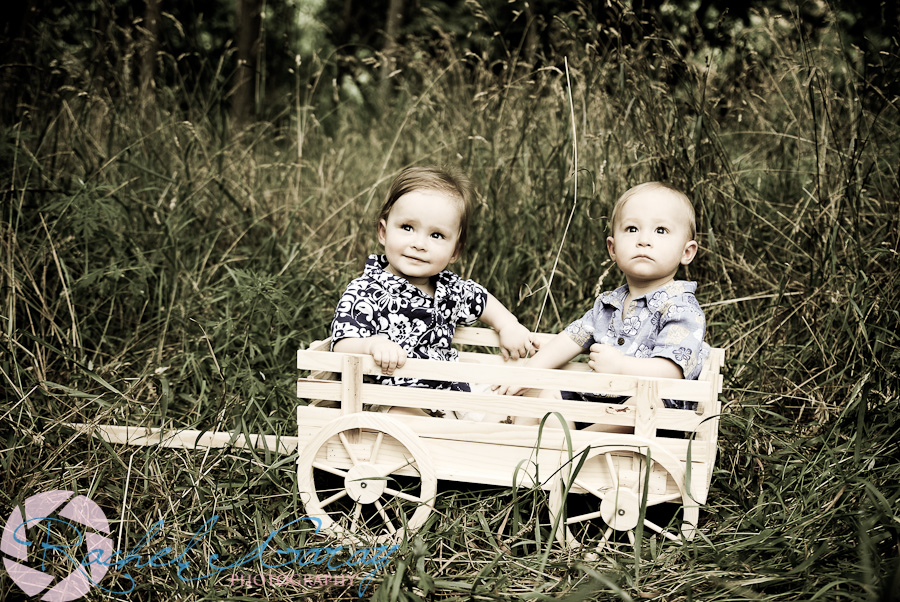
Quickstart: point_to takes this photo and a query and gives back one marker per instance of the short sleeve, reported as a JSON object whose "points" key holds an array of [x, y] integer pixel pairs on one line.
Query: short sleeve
{"points": [[680, 337], [581, 331], [471, 301]]}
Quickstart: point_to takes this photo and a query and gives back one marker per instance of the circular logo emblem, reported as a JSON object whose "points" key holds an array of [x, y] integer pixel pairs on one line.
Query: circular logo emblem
{"points": [[60, 550]]}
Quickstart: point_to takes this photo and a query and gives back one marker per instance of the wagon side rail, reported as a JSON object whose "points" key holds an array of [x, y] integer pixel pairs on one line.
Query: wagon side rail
{"points": [[489, 369], [408, 397]]}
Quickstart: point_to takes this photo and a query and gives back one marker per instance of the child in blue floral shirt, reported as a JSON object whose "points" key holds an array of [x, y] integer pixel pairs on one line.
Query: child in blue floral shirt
{"points": [[406, 303], [652, 325]]}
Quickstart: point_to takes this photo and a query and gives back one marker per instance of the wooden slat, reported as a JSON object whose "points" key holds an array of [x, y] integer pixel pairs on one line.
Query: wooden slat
{"points": [[505, 405], [186, 438], [324, 345], [497, 360], [487, 337], [321, 346], [687, 390]]}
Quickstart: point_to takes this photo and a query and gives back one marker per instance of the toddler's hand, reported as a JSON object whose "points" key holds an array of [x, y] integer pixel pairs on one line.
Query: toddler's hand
{"points": [[516, 341], [606, 358], [388, 355], [508, 389]]}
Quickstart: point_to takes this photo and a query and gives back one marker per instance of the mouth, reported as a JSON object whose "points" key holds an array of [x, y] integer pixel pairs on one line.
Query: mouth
{"points": [[414, 259]]}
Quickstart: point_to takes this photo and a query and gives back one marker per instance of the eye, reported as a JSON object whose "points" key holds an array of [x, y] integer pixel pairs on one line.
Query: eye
{"points": [[406, 227], [631, 229], [437, 235], [662, 230]]}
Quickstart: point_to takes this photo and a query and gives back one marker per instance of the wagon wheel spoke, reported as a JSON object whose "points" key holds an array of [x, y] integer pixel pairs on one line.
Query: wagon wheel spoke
{"points": [[330, 469], [662, 531], [376, 447], [333, 498], [593, 491], [402, 495], [398, 467], [348, 448], [354, 520], [651, 525], [384, 516], [613, 472], [606, 535], [583, 517]]}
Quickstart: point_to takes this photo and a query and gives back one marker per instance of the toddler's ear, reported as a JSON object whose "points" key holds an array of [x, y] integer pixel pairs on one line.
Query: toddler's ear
{"points": [[611, 247], [382, 230], [690, 251]]}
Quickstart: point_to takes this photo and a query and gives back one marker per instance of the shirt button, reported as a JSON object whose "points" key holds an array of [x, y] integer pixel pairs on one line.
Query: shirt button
{"points": [[621, 341]]}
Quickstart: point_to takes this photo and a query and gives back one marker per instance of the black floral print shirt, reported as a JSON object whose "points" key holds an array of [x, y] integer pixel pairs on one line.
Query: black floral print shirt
{"points": [[380, 303]]}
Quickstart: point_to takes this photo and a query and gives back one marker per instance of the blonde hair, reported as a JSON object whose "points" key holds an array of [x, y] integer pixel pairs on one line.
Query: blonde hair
{"points": [[442, 179], [646, 187]]}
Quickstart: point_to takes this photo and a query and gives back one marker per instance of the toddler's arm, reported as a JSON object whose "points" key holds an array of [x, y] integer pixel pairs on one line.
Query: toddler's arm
{"points": [[608, 359], [516, 341], [387, 354], [553, 354]]}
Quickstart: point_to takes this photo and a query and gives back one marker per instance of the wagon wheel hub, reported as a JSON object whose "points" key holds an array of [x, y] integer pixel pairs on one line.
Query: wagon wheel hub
{"points": [[364, 484], [621, 509]]}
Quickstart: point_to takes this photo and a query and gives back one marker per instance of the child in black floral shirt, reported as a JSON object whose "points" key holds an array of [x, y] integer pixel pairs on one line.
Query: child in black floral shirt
{"points": [[406, 303]]}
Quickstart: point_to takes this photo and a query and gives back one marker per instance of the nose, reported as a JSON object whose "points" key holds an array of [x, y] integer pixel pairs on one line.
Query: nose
{"points": [[419, 242], [643, 239]]}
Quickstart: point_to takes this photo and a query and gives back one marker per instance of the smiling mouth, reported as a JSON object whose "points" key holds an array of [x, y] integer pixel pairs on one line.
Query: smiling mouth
{"points": [[415, 259]]}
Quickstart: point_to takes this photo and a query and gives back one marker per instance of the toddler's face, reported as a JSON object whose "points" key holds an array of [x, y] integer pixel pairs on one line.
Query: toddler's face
{"points": [[651, 238], [420, 234]]}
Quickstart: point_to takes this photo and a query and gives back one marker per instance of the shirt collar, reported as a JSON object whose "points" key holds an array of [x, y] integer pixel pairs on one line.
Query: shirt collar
{"points": [[616, 298]]}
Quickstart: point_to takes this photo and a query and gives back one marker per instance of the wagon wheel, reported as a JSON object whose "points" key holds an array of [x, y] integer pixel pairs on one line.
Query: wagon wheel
{"points": [[612, 480], [344, 478]]}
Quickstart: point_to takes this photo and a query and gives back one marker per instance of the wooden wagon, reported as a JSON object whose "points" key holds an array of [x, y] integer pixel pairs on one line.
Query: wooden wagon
{"points": [[369, 473]]}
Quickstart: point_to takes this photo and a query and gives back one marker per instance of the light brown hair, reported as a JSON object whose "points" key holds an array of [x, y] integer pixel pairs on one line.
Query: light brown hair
{"points": [[646, 186], [442, 179]]}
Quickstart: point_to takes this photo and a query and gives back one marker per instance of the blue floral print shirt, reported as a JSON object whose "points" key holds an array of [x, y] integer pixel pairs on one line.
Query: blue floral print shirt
{"points": [[667, 322], [380, 303]]}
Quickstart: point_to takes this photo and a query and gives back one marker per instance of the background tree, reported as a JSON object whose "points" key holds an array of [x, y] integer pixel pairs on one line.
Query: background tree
{"points": [[150, 49], [243, 98], [391, 29]]}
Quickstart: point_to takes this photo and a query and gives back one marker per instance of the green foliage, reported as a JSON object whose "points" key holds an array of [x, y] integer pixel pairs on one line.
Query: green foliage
{"points": [[158, 271]]}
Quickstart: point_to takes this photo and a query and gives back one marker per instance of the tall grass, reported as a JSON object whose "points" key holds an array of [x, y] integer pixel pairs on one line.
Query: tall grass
{"points": [[159, 271]]}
